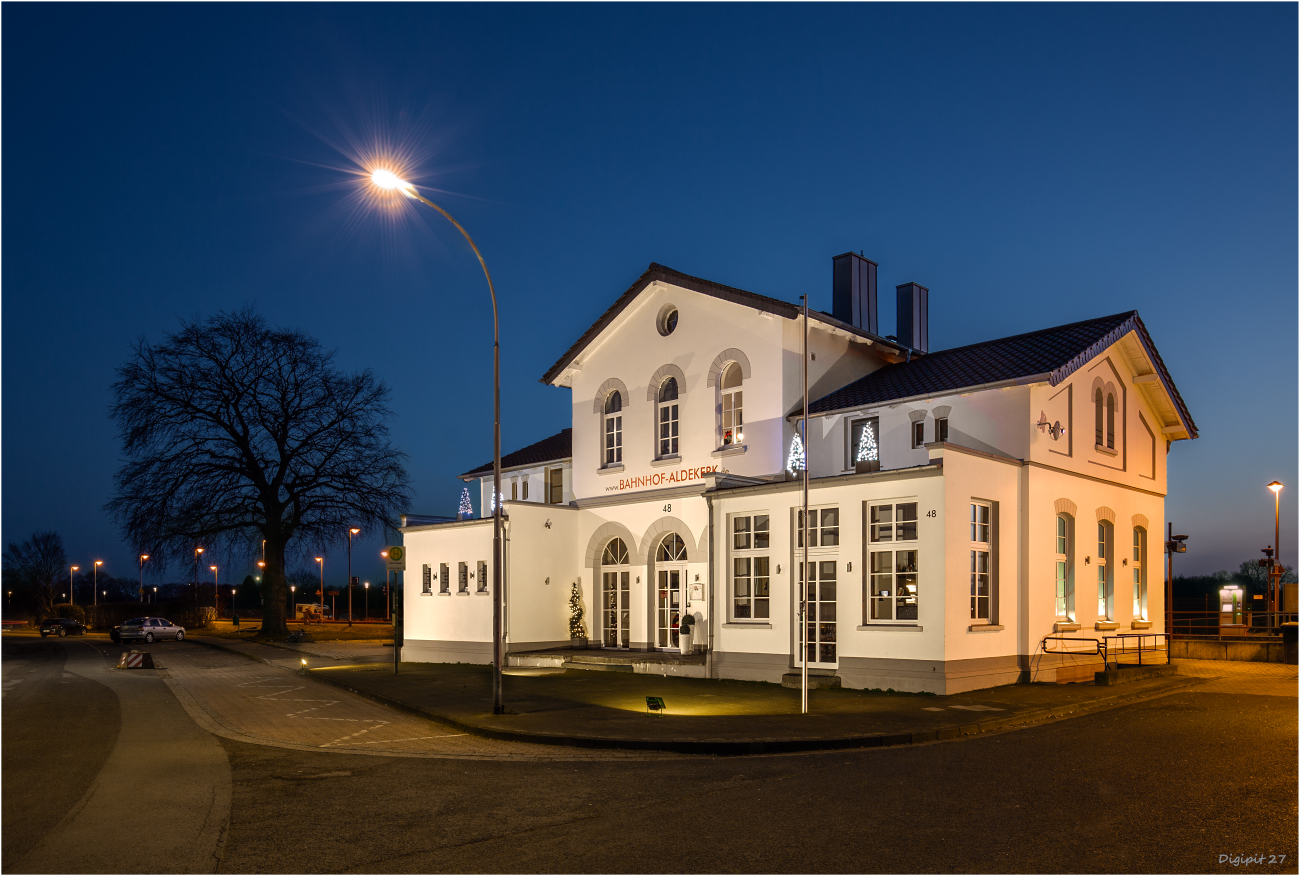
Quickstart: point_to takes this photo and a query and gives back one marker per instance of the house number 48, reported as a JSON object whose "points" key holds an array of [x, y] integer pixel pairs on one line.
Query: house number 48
{"points": [[931, 513], [668, 507]]}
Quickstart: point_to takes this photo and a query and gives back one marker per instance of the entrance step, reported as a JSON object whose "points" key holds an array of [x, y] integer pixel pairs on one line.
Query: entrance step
{"points": [[817, 680], [598, 666]]}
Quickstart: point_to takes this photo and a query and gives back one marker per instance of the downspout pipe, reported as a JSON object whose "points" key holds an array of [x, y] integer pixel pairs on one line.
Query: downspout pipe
{"points": [[708, 655]]}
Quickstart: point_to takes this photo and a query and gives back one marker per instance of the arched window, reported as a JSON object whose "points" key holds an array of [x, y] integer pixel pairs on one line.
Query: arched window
{"points": [[1064, 567], [1110, 421], [733, 419], [1101, 421], [616, 613], [667, 419], [614, 428], [615, 553], [1105, 564], [1139, 578], [672, 549]]}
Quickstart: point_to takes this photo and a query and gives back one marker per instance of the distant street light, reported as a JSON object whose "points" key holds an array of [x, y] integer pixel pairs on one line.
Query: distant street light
{"points": [[94, 591], [292, 589], [143, 557], [351, 532], [155, 594], [197, 552], [367, 600], [389, 181], [214, 587], [1275, 574], [321, 560], [73, 599]]}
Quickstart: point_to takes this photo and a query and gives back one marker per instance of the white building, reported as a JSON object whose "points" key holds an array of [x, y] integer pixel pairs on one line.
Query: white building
{"points": [[965, 503]]}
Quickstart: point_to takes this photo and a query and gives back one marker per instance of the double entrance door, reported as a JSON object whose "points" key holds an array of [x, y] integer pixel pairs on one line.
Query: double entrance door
{"points": [[616, 613], [819, 623], [668, 605]]}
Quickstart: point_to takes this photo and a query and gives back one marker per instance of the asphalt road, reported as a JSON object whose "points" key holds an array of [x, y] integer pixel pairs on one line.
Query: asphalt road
{"points": [[1167, 785]]}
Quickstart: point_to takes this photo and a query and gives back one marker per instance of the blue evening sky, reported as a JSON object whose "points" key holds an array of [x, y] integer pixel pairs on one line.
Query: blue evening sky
{"points": [[1031, 164]]}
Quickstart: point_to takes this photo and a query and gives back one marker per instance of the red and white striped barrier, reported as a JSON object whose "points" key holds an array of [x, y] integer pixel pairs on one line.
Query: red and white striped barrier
{"points": [[136, 660]]}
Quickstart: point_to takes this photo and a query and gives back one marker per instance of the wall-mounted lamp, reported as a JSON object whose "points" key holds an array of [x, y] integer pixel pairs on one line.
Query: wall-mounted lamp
{"points": [[697, 576], [1087, 560], [778, 568], [548, 580], [850, 568], [1126, 561]]}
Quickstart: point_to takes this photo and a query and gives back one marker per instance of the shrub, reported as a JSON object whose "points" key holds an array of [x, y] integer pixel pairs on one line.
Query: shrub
{"points": [[68, 610]]}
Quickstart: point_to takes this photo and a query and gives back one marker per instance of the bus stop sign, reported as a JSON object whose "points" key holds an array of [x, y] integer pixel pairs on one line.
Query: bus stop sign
{"points": [[396, 558]]}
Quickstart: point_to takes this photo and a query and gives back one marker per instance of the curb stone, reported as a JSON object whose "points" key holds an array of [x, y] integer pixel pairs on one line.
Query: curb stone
{"points": [[753, 746]]}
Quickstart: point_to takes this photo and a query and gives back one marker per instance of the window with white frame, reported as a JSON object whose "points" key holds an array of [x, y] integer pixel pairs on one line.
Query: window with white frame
{"points": [[1104, 570], [981, 578], [462, 577], [1139, 573], [941, 429], [554, 486], [514, 490], [1110, 421], [482, 577], [524, 492], [1099, 405], [613, 428], [428, 579], [864, 443], [1064, 567], [732, 423], [918, 433], [750, 567], [823, 528], [444, 578], [667, 419], [892, 577]]}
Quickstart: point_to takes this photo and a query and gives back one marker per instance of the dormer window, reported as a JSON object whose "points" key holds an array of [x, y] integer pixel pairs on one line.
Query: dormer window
{"points": [[614, 428], [733, 419], [667, 420]]}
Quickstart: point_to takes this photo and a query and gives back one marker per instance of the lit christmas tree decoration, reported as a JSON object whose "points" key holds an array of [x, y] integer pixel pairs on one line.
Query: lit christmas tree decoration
{"points": [[867, 449], [465, 507], [795, 462]]}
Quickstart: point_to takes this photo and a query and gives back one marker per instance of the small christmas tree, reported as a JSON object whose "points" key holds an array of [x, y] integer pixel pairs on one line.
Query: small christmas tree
{"points": [[867, 449], [577, 629], [466, 509], [796, 462]]}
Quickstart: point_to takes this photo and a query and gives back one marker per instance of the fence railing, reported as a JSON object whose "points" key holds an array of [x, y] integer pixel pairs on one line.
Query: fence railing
{"points": [[1216, 625], [1122, 648]]}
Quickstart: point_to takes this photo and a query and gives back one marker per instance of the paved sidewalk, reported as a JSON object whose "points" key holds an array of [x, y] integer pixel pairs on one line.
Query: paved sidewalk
{"points": [[606, 710], [1242, 677]]}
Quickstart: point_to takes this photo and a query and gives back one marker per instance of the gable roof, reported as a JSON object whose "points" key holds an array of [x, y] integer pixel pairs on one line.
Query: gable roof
{"points": [[1051, 354], [659, 273], [556, 448]]}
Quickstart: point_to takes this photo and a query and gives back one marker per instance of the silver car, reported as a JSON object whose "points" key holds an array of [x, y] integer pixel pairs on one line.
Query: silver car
{"points": [[150, 629]]}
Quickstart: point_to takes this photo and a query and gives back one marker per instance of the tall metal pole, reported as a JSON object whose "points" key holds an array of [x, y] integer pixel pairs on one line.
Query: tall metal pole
{"points": [[1169, 586], [498, 649], [1277, 550], [803, 594]]}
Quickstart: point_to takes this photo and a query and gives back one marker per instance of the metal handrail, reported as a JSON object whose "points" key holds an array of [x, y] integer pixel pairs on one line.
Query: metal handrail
{"points": [[1124, 649], [1099, 646]]}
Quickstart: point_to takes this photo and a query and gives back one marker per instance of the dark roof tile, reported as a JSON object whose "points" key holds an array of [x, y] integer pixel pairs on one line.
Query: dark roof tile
{"points": [[558, 447]]}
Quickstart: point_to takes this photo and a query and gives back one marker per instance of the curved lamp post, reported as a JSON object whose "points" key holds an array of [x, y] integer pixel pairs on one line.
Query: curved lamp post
{"points": [[386, 179]]}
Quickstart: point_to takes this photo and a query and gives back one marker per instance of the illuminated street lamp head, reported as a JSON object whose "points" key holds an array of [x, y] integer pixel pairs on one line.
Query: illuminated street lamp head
{"points": [[143, 557], [213, 568], [76, 568], [320, 559], [198, 550], [99, 562], [384, 554], [386, 179], [354, 530], [261, 564], [1276, 486]]}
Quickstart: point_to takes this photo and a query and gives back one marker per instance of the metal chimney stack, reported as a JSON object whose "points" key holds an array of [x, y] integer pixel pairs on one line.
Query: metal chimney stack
{"points": [[914, 316], [854, 284]]}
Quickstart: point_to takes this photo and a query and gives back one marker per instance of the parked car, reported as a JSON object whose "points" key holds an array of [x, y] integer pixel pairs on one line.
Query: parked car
{"points": [[149, 629], [116, 633], [62, 626]]}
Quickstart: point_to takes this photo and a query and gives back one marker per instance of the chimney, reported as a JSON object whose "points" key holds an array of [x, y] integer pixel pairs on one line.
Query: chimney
{"points": [[914, 316], [854, 285]]}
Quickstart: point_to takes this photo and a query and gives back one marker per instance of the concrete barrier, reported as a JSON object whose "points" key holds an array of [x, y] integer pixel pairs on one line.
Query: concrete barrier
{"points": [[1247, 651], [135, 660]]}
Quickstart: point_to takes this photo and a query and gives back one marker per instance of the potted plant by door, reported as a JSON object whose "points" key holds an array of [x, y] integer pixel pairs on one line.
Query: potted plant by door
{"points": [[577, 628], [684, 630]]}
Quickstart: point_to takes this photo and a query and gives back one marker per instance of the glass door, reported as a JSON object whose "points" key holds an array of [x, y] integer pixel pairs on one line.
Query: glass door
{"points": [[616, 615], [819, 624], [668, 607]]}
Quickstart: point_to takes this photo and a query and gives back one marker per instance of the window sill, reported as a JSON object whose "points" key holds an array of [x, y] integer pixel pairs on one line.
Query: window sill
{"points": [[443, 593], [984, 628], [1142, 625], [425, 593], [1066, 627], [462, 593], [675, 459], [729, 450], [482, 593], [1101, 448], [610, 469], [1106, 625], [893, 628], [746, 625]]}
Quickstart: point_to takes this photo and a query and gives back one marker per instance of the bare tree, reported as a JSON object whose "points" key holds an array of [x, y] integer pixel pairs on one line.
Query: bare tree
{"points": [[234, 432], [34, 567]]}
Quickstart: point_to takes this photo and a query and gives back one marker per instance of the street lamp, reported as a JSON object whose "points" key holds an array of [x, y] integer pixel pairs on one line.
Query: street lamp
{"points": [[233, 591], [197, 552], [388, 588], [293, 588], [155, 594], [389, 181], [321, 560], [73, 598], [1174, 545], [94, 592], [143, 557], [214, 587], [351, 532], [1275, 574], [367, 600]]}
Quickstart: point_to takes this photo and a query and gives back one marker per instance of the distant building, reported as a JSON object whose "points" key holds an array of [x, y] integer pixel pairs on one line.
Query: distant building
{"points": [[964, 503]]}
